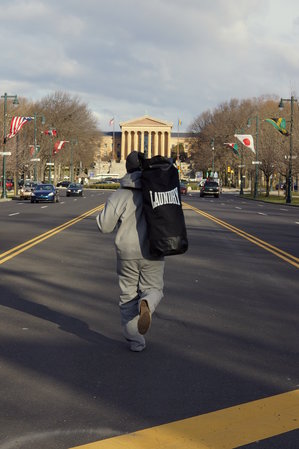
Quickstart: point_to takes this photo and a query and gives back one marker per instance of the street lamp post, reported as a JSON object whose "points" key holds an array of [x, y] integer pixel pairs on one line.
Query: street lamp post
{"points": [[16, 102], [292, 100], [35, 139], [255, 193], [241, 166], [213, 157], [73, 142]]}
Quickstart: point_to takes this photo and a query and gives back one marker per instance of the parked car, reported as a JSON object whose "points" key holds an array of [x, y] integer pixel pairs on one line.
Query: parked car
{"points": [[210, 188], [183, 188], [27, 189], [74, 189], [44, 192], [63, 183], [9, 184]]}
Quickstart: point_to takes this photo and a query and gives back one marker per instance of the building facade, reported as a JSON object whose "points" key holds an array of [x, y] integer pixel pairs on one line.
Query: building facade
{"points": [[149, 135]]}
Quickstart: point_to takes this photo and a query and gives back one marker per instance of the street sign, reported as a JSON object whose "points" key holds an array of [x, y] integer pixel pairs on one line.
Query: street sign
{"points": [[256, 162], [5, 153], [35, 160], [50, 163]]}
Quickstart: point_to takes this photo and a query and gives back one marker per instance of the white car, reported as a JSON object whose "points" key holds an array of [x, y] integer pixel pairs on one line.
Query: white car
{"points": [[27, 189]]}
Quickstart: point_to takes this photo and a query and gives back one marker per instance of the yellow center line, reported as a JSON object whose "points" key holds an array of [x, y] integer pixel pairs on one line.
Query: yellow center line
{"points": [[223, 429], [287, 257], [4, 257]]}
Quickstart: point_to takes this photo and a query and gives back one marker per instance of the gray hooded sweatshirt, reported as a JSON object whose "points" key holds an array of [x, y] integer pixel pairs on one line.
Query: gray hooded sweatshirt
{"points": [[124, 212]]}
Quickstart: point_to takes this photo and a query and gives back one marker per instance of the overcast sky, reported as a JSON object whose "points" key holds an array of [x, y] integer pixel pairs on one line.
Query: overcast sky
{"points": [[171, 59]]}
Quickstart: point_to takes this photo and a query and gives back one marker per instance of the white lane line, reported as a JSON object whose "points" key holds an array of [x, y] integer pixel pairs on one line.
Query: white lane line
{"points": [[283, 209], [237, 207], [62, 202], [43, 207], [16, 213], [261, 213], [296, 222]]}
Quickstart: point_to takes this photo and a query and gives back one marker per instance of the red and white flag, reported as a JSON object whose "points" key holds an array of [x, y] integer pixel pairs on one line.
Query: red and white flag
{"points": [[247, 141], [59, 145], [50, 132], [111, 122], [16, 124]]}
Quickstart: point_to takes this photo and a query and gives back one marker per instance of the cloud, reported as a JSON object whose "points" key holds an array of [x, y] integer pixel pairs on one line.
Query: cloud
{"points": [[165, 57]]}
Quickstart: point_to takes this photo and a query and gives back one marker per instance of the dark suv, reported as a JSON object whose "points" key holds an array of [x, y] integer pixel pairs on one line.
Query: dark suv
{"points": [[210, 188]]}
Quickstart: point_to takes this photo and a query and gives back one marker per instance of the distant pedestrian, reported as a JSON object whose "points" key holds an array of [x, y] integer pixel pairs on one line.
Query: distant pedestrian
{"points": [[140, 275]]}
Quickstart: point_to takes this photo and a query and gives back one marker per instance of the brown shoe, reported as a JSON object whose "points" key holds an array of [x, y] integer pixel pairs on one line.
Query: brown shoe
{"points": [[145, 318]]}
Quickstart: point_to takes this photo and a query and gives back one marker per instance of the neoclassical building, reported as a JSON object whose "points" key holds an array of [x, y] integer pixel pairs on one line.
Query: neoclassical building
{"points": [[147, 134]]}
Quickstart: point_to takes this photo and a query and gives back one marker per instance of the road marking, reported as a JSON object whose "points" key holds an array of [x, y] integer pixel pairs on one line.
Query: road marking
{"points": [[237, 207], [44, 207], [261, 213], [283, 209], [4, 257], [297, 222], [223, 429], [16, 213], [287, 257]]}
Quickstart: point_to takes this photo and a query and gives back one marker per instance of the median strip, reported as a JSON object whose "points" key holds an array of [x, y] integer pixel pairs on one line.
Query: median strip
{"points": [[7, 255]]}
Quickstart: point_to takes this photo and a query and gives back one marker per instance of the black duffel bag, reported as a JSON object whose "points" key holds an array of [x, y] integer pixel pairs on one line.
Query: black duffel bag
{"points": [[163, 207]]}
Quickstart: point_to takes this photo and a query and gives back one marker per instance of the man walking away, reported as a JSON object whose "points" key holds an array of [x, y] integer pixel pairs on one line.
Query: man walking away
{"points": [[140, 275]]}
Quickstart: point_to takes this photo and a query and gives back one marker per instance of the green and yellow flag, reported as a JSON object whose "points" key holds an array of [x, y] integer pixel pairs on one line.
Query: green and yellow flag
{"points": [[233, 146], [279, 124]]}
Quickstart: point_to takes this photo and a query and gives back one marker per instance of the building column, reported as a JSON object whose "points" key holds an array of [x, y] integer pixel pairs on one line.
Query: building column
{"points": [[129, 142], [162, 144], [156, 150], [122, 148], [142, 142], [149, 144], [135, 141]]}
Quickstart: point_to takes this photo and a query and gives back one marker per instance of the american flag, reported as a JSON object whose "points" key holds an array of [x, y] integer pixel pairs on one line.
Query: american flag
{"points": [[59, 145], [16, 124]]}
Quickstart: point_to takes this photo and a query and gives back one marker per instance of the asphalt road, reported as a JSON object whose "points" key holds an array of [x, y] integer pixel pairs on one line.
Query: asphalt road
{"points": [[225, 334]]}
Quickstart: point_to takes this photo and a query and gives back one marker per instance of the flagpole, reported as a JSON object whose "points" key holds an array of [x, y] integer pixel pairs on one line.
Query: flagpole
{"points": [[178, 145], [114, 154]]}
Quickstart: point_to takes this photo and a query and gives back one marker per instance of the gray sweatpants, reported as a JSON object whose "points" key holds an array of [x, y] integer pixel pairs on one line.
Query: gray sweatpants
{"points": [[138, 279]]}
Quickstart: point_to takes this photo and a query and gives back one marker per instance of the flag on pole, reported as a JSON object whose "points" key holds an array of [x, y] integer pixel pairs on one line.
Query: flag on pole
{"points": [[247, 140], [233, 146], [50, 132], [279, 124], [16, 125], [111, 122], [59, 145], [179, 122], [31, 149]]}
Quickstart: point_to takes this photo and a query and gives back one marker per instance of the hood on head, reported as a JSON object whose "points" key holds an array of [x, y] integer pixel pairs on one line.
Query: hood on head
{"points": [[131, 180]]}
